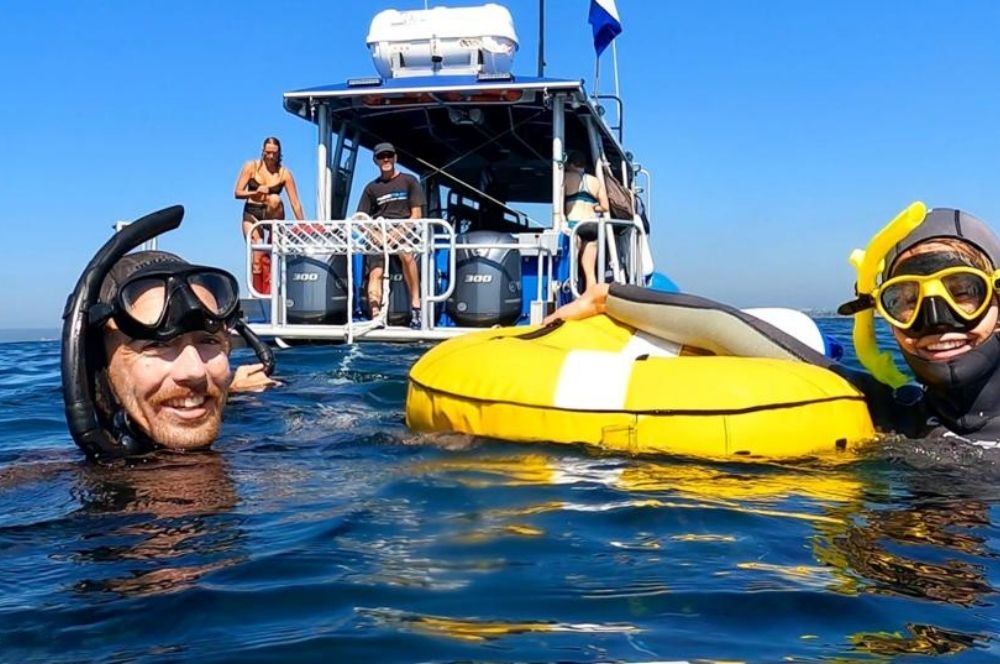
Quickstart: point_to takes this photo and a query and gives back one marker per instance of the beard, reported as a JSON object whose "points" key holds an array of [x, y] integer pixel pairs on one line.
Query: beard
{"points": [[158, 420]]}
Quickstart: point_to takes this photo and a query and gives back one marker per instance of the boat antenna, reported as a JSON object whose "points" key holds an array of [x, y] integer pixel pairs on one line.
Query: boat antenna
{"points": [[541, 38]]}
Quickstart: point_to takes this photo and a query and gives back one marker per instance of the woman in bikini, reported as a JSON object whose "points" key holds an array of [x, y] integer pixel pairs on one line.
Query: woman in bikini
{"points": [[259, 185], [585, 200]]}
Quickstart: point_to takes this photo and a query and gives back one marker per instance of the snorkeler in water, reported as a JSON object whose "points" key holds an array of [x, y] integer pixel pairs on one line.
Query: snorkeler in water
{"points": [[937, 290], [145, 348]]}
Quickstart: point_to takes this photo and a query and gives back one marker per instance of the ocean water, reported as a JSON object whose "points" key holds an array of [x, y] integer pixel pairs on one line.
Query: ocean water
{"points": [[320, 529]]}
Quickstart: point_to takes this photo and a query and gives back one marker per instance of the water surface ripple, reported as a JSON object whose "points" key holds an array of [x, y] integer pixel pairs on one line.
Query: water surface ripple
{"points": [[321, 529]]}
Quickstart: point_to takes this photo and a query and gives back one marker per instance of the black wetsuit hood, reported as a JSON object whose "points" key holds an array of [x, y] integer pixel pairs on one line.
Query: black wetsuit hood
{"points": [[963, 395]]}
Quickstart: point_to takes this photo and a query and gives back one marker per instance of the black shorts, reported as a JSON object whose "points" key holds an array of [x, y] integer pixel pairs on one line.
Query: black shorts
{"points": [[374, 261], [586, 231]]}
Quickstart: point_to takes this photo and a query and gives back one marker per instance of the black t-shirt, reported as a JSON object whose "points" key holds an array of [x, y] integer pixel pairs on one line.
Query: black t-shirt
{"points": [[391, 199]]}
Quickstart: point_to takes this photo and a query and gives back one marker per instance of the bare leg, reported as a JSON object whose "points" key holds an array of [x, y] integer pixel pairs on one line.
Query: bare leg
{"points": [[256, 257], [412, 278], [588, 263], [375, 290]]}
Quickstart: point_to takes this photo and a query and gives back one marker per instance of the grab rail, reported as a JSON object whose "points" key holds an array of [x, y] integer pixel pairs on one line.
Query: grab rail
{"points": [[384, 237], [603, 240]]}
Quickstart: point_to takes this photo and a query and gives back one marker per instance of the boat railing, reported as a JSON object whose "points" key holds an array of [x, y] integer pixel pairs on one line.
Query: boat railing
{"points": [[433, 242], [610, 232]]}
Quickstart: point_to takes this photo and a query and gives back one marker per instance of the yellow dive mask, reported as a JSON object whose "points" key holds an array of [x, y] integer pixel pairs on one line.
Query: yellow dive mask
{"points": [[967, 291]]}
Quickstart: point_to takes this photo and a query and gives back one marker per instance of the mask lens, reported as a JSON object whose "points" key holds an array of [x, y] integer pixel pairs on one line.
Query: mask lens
{"points": [[145, 300], [967, 290], [217, 292], [899, 301]]}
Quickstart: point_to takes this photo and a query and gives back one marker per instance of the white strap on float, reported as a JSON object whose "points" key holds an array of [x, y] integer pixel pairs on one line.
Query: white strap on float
{"points": [[599, 380]]}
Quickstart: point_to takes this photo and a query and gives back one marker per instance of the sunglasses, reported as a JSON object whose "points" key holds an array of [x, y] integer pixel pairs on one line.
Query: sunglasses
{"points": [[385, 155], [967, 291]]}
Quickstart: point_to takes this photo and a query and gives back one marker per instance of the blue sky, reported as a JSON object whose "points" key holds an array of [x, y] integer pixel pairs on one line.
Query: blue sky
{"points": [[780, 135]]}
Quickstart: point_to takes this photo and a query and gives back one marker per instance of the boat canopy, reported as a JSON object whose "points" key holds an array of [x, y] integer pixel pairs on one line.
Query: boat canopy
{"points": [[493, 133]]}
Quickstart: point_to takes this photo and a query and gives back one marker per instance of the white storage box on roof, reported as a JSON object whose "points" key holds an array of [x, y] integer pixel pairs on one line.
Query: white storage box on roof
{"points": [[443, 41]]}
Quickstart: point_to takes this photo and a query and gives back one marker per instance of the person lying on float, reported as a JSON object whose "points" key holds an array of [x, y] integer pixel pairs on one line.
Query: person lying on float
{"points": [[145, 348], [936, 289]]}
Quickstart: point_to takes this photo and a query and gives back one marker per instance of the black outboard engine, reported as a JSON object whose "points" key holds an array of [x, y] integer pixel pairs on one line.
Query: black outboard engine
{"points": [[487, 282], [316, 289]]}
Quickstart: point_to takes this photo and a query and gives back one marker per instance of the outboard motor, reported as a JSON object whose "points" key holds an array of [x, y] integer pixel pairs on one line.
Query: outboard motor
{"points": [[487, 282], [316, 289]]}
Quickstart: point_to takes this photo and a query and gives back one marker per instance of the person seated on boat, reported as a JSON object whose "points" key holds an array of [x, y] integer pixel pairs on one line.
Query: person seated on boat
{"points": [[146, 345], [260, 184], [938, 293], [392, 195], [584, 200]]}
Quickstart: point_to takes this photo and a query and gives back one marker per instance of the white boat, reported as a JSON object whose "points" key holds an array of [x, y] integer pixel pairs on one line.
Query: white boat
{"points": [[488, 147]]}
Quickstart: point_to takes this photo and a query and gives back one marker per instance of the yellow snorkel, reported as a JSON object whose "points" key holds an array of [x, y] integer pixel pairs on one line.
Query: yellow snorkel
{"points": [[869, 262]]}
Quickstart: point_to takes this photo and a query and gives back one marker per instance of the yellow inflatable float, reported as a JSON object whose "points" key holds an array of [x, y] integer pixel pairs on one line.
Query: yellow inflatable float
{"points": [[662, 373]]}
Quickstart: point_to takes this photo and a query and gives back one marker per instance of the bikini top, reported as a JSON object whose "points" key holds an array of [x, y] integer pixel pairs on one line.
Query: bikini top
{"points": [[582, 193], [253, 185]]}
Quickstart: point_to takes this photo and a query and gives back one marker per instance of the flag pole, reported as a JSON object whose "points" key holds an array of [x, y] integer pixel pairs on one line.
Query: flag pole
{"points": [[597, 75], [614, 61]]}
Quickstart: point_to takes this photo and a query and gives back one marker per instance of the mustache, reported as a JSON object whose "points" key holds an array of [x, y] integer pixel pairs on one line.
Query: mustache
{"points": [[211, 392]]}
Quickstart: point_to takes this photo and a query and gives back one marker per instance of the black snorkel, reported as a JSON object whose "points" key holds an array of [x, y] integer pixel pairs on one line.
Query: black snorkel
{"points": [[78, 370]]}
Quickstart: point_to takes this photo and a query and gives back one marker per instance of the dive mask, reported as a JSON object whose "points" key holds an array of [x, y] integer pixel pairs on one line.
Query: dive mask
{"points": [[954, 297], [164, 300]]}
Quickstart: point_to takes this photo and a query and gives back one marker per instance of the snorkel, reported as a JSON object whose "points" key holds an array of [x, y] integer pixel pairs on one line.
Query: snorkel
{"points": [[79, 343], [869, 263]]}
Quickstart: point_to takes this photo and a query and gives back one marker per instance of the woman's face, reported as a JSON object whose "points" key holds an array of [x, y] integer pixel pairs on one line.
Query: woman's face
{"points": [[946, 345], [270, 153]]}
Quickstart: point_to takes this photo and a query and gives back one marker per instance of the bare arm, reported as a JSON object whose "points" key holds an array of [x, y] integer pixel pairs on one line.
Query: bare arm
{"points": [[293, 196], [241, 191], [416, 212], [602, 198], [251, 378]]}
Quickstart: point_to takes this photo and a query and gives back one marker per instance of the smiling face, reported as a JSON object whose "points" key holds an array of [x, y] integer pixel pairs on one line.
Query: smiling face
{"points": [[945, 345], [174, 391]]}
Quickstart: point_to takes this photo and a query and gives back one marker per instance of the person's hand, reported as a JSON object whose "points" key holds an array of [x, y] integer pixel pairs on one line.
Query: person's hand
{"points": [[251, 378], [592, 302]]}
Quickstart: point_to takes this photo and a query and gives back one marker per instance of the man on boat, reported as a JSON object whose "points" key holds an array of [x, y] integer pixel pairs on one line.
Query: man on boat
{"points": [[146, 342], [392, 195]]}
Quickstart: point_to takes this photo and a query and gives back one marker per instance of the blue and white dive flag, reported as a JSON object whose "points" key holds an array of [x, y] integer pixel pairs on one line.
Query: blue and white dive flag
{"points": [[605, 21]]}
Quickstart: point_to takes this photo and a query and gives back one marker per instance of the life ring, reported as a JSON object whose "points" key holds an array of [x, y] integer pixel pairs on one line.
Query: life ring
{"points": [[606, 382]]}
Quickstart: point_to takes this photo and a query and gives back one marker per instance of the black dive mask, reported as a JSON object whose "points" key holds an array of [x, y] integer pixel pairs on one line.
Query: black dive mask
{"points": [[163, 301], [153, 303]]}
